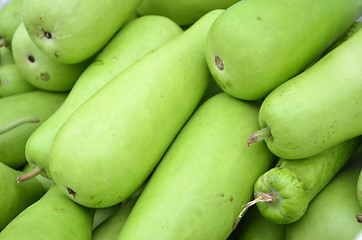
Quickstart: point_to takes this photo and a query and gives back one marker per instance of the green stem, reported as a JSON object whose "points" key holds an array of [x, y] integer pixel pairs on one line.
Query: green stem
{"points": [[259, 136], [7, 127], [33, 173]]}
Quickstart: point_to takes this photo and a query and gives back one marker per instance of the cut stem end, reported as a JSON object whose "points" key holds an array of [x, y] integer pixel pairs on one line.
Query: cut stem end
{"points": [[33, 173], [262, 197], [259, 136]]}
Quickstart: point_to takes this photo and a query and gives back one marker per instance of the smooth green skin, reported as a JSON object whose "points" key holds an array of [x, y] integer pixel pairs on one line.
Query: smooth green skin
{"points": [[10, 19], [131, 43], [12, 81], [320, 107], [102, 214], [47, 183], [332, 214], [294, 183], [254, 226], [6, 56], [117, 137], [42, 71], [15, 197], [112, 226], [264, 43], [54, 216], [39, 104], [359, 189], [79, 28], [207, 175], [184, 13]]}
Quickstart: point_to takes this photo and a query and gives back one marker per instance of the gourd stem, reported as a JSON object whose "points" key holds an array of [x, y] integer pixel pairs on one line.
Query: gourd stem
{"points": [[262, 197], [33, 173], [7, 127], [259, 136]]}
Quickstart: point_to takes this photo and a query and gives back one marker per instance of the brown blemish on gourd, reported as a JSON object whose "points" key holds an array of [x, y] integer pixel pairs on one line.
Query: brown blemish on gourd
{"points": [[231, 198], [219, 63], [359, 218], [44, 76], [71, 192]]}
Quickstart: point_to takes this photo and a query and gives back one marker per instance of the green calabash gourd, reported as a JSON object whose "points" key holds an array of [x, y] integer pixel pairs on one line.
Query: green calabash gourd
{"points": [[332, 214], [10, 19], [15, 197], [12, 81], [254, 226], [72, 31], [112, 226], [54, 216], [110, 145], [185, 12], [256, 45], [293, 184], [39, 69], [6, 56], [132, 42], [318, 108], [34, 104], [205, 177], [102, 214]]}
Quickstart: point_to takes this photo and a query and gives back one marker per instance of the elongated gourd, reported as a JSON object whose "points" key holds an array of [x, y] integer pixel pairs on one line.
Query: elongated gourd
{"points": [[39, 69], [54, 216], [185, 12], [293, 184], [72, 31], [117, 137], [256, 45], [37, 104], [6, 56], [10, 19], [131, 43], [15, 197], [200, 185], [12, 81], [332, 214], [318, 108], [112, 226]]}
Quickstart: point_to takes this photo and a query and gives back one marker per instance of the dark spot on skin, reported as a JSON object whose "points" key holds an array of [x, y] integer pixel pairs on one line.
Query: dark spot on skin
{"points": [[45, 76], [219, 63], [259, 18], [31, 58], [222, 195], [56, 54], [359, 218], [71, 192], [48, 35], [231, 198]]}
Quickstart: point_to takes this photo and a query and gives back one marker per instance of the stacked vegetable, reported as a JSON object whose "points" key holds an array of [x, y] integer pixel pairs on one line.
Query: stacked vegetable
{"points": [[158, 120]]}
